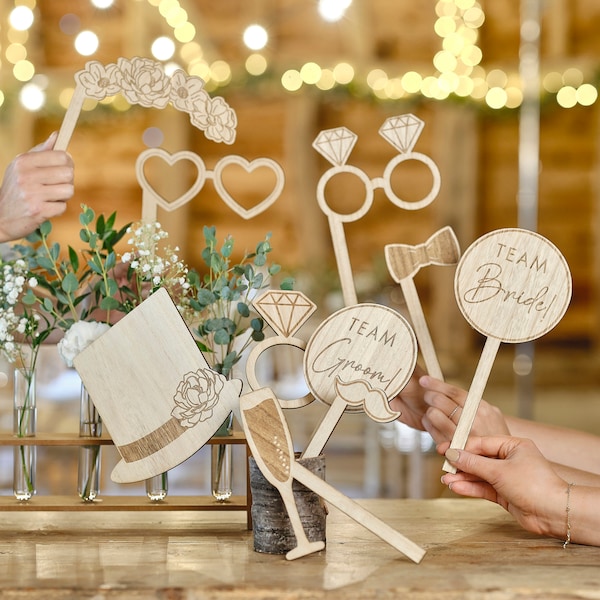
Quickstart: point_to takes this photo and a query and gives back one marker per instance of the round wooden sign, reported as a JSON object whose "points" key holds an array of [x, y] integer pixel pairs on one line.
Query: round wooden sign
{"points": [[368, 342], [513, 285]]}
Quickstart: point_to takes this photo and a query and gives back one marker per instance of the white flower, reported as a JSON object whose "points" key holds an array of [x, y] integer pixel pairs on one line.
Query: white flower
{"points": [[78, 337], [32, 282]]}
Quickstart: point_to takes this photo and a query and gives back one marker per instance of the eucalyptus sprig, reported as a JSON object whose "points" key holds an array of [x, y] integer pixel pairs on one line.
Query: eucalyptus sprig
{"points": [[222, 296], [84, 281]]}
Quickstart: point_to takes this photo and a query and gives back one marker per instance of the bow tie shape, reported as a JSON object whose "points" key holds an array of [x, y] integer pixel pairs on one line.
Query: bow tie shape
{"points": [[404, 261]]}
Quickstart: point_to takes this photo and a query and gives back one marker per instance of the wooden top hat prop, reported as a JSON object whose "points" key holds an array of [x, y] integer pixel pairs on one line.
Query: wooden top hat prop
{"points": [[511, 285], [153, 388]]}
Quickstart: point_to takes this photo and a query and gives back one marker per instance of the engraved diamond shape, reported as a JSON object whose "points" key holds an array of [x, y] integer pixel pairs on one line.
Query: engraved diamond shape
{"points": [[284, 311], [335, 144], [402, 132]]}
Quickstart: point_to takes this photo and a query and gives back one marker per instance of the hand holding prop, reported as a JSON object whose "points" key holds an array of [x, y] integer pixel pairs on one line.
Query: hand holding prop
{"points": [[512, 285], [403, 263], [356, 360], [269, 440]]}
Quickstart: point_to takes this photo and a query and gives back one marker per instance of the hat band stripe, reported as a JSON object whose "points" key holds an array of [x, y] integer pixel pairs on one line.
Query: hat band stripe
{"points": [[152, 442]]}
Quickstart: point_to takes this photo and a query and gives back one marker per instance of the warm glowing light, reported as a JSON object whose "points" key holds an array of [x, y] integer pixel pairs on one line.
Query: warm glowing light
{"points": [[411, 82], [377, 78], [445, 26], [15, 52], [310, 73], [573, 77], [86, 43], [474, 17], [1, 97], [343, 73], [102, 3], [190, 51], [163, 48], [185, 33], [220, 71], [497, 78], [32, 97], [291, 80], [256, 64], [255, 37], [199, 68], [21, 18], [327, 80], [496, 97], [586, 94], [177, 17], [333, 10], [567, 96], [552, 82], [64, 98], [444, 61], [23, 70], [514, 97]]}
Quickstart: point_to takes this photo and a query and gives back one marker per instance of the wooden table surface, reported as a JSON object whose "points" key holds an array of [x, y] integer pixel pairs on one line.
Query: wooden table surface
{"points": [[474, 550]]}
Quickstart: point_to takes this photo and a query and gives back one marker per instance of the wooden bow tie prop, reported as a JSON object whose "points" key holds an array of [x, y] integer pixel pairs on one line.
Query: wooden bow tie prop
{"points": [[403, 262]]}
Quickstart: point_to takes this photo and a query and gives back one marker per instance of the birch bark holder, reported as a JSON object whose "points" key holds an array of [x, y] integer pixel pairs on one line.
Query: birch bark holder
{"points": [[369, 345], [511, 285], [403, 263], [269, 440]]}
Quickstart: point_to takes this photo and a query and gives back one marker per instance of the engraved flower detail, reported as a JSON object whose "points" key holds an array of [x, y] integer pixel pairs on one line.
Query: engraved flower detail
{"points": [[144, 82], [196, 396], [99, 81], [218, 121], [187, 93]]}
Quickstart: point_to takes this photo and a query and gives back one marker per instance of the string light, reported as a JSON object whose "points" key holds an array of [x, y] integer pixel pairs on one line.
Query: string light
{"points": [[456, 67]]}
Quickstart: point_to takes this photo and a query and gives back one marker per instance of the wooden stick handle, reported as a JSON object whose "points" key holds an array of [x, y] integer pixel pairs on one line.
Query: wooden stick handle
{"points": [[420, 326], [358, 513], [467, 416], [70, 119], [340, 248], [325, 428]]}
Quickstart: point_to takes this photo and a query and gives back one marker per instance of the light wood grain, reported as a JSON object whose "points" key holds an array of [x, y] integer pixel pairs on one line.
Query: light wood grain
{"points": [[271, 445], [512, 285], [137, 373]]}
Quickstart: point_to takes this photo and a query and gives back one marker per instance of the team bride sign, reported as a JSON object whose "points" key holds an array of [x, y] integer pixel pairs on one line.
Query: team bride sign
{"points": [[511, 285]]}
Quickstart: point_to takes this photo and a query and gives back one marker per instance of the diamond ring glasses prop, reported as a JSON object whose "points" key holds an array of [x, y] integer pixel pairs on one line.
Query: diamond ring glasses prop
{"points": [[356, 360], [511, 285], [402, 132], [143, 81], [285, 312], [403, 263], [271, 445]]}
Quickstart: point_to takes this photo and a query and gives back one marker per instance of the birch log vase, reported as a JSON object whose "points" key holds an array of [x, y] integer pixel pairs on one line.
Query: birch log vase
{"points": [[271, 527]]}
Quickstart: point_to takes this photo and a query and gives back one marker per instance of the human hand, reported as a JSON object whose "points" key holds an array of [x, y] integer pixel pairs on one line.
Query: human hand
{"points": [[444, 406], [513, 473], [410, 401], [36, 187]]}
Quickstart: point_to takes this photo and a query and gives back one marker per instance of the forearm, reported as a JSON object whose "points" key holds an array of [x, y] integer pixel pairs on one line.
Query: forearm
{"points": [[568, 447]]}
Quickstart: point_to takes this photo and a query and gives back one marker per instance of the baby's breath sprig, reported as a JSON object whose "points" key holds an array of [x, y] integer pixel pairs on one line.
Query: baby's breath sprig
{"points": [[152, 265]]}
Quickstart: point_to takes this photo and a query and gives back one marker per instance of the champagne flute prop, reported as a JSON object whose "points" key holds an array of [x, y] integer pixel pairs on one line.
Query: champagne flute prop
{"points": [[356, 360], [511, 285], [272, 449], [269, 440], [403, 263]]}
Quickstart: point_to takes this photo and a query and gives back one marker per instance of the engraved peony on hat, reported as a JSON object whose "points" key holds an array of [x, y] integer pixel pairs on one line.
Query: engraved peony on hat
{"points": [[154, 390]]}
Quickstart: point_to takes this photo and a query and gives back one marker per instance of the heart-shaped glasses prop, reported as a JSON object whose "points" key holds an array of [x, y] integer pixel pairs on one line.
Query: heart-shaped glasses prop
{"points": [[403, 263], [151, 199], [269, 440], [511, 285], [356, 360], [402, 132]]}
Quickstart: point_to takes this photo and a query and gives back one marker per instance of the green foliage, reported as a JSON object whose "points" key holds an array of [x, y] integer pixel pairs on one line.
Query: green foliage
{"points": [[222, 298], [83, 282]]}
